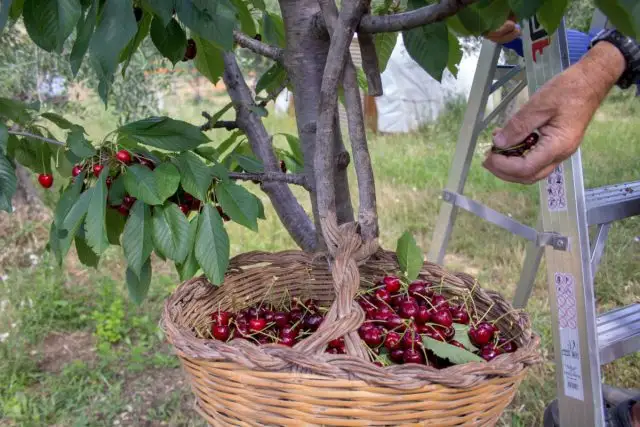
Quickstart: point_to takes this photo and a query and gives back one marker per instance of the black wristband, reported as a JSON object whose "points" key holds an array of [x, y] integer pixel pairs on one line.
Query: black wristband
{"points": [[629, 48]]}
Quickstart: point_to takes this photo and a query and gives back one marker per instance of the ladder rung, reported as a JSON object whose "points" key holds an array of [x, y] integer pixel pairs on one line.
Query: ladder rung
{"points": [[613, 202], [619, 333]]}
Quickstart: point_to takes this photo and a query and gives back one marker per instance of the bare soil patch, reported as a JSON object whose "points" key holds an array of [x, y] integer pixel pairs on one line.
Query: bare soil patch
{"points": [[58, 349]]}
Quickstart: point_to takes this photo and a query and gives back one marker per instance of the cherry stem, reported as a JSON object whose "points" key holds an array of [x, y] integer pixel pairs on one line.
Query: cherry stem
{"points": [[486, 312]]}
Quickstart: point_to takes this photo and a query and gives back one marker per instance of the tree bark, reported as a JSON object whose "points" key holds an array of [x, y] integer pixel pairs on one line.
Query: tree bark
{"points": [[291, 214], [305, 58], [26, 193]]}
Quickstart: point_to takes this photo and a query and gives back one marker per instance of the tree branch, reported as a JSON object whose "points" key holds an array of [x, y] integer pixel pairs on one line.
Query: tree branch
{"points": [[370, 64], [324, 151], [272, 96], [41, 138], [271, 52], [412, 19], [219, 124], [367, 214], [291, 214], [289, 178]]}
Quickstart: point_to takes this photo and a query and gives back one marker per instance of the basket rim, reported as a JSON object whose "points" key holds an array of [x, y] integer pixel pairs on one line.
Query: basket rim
{"points": [[276, 357]]}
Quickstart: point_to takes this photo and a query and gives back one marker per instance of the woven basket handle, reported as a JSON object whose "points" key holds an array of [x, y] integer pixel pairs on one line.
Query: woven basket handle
{"points": [[347, 251]]}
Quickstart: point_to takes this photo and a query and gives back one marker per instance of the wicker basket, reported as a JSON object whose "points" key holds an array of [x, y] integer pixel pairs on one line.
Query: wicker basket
{"points": [[242, 384]]}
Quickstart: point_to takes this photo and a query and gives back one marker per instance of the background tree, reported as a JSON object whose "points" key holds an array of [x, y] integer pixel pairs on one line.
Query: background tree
{"points": [[161, 185]]}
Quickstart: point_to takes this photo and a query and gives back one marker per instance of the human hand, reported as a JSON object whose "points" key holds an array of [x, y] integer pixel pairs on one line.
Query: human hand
{"points": [[561, 112], [508, 32]]}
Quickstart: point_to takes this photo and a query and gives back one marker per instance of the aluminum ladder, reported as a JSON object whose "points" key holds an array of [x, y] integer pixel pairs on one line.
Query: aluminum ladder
{"points": [[582, 340]]}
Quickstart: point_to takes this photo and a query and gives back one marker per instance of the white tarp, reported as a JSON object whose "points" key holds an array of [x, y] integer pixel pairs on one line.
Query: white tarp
{"points": [[412, 97]]}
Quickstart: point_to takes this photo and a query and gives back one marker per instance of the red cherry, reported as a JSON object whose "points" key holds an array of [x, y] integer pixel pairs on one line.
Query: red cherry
{"points": [[128, 201], [380, 316], [447, 332], [281, 319], [147, 163], [283, 166], [460, 315], [480, 335], [337, 343], [373, 337], [109, 181], [411, 339], [289, 331], [383, 294], [191, 50], [311, 305], [457, 344], [489, 352], [288, 341], [507, 346], [436, 334], [77, 170], [393, 340], [417, 289], [424, 314], [364, 328], [46, 180], [438, 301], [97, 169], [413, 356], [221, 332], [257, 324], [124, 156], [442, 317], [397, 355], [409, 309], [185, 208], [221, 317], [488, 326], [124, 210], [295, 315], [395, 323], [313, 321], [241, 331], [369, 310], [392, 283]]}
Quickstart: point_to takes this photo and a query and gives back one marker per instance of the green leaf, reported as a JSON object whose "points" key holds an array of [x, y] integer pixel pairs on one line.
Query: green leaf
{"points": [[273, 29], [247, 25], [171, 232], [117, 191], [4, 13], [525, 9], [385, 43], [208, 59], [462, 336], [258, 110], [4, 138], [456, 355], [84, 252], [165, 133], [8, 183], [116, 27], [50, 22], [138, 284], [212, 245], [68, 198], [79, 145], [60, 121], [272, 79], [294, 144], [115, 226], [410, 256], [170, 40], [195, 175], [16, 110], [137, 240], [190, 266], [238, 203], [249, 163], [258, 4], [624, 15], [551, 13], [214, 22], [84, 32], [132, 46], [162, 8], [260, 207], [70, 224], [152, 187], [95, 224], [16, 8], [429, 47], [455, 54]]}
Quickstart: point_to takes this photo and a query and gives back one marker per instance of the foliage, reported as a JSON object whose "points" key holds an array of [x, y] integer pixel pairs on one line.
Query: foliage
{"points": [[159, 185]]}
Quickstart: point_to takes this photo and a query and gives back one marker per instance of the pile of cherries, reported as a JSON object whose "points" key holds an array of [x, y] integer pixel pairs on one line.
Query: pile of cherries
{"points": [[398, 316]]}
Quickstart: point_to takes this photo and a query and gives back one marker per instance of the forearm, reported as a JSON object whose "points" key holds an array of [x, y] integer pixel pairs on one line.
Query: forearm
{"points": [[602, 67]]}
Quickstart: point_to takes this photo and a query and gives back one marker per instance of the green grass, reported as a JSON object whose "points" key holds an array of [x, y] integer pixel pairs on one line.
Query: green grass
{"points": [[127, 358]]}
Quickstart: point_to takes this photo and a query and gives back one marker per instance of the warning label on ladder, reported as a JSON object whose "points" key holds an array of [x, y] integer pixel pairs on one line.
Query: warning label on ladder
{"points": [[569, 337], [556, 192]]}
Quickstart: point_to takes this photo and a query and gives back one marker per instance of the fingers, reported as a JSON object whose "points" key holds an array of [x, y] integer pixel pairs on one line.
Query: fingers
{"points": [[505, 34], [533, 115]]}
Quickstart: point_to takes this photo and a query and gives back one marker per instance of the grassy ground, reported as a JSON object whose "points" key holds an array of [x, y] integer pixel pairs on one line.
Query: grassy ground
{"points": [[76, 352]]}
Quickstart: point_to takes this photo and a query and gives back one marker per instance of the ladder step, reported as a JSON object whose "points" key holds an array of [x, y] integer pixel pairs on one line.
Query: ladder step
{"points": [[613, 202], [619, 333]]}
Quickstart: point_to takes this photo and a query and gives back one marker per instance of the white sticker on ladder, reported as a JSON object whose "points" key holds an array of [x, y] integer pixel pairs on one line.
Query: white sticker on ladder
{"points": [[556, 192], [569, 337]]}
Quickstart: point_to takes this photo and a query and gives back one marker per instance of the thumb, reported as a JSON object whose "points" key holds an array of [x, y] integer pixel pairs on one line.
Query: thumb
{"points": [[522, 124]]}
